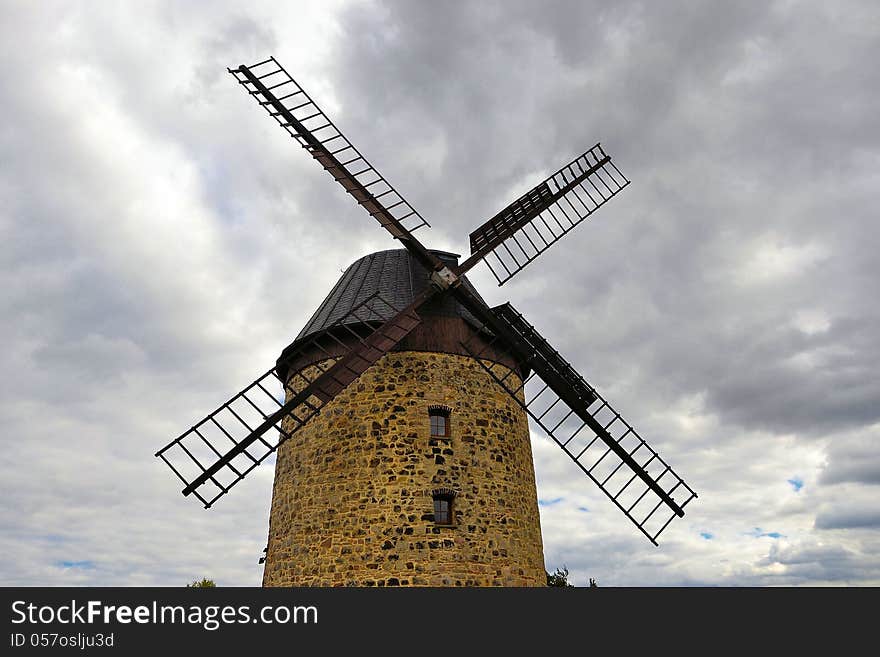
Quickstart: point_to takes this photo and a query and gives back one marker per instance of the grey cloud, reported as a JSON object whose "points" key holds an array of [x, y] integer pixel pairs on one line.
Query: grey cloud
{"points": [[845, 517], [853, 459], [818, 562], [685, 253]]}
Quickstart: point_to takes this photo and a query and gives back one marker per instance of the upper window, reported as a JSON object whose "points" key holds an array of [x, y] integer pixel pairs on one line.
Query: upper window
{"points": [[439, 422]]}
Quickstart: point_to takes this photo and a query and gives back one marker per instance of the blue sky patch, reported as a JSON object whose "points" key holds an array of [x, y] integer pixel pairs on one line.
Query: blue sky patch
{"points": [[707, 535], [555, 500], [584, 509], [82, 565], [797, 483], [757, 532]]}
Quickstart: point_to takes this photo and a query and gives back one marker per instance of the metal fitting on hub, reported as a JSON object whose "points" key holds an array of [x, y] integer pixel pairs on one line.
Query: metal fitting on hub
{"points": [[444, 279]]}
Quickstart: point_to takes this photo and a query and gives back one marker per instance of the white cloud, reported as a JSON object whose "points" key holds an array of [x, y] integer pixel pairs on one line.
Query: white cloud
{"points": [[770, 260]]}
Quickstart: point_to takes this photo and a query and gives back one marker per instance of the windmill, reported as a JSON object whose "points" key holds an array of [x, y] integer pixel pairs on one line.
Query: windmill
{"points": [[361, 323]]}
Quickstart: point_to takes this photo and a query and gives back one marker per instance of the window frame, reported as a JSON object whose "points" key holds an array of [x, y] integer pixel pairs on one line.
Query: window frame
{"points": [[439, 502], [445, 414], [441, 496]]}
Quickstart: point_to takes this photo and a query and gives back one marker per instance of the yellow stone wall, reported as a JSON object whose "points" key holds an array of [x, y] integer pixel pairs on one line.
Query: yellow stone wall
{"points": [[352, 501]]}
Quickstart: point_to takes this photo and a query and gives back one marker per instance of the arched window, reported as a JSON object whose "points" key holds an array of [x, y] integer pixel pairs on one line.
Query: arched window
{"points": [[439, 419], [444, 513]]}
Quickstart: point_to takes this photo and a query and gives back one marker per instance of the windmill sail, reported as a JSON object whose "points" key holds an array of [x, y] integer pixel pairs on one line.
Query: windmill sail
{"points": [[221, 449], [534, 222], [224, 447], [570, 411], [295, 111]]}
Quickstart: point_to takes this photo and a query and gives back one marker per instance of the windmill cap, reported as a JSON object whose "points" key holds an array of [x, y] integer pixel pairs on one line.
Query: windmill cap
{"points": [[397, 278]]}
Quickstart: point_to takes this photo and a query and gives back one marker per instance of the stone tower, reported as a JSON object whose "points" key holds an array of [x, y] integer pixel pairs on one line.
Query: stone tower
{"points": [[420, 473]]}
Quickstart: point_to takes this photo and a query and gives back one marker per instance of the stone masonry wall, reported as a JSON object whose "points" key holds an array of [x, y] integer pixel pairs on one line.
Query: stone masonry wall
{"points": [[352, 501]]}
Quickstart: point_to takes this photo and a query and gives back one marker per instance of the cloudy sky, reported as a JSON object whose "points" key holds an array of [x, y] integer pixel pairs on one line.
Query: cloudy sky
{"points": [[161, 240]]}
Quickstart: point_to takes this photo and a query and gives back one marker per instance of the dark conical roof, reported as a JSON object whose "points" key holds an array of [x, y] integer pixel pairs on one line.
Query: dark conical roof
{"points": [[397, 277]]}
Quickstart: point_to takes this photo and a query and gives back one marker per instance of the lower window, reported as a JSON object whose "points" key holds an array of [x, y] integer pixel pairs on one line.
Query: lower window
{"points": [[443, 507]]}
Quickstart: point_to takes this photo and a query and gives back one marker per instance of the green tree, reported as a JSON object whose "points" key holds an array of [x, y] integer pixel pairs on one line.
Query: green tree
{"points": [[559, 578], [205, 583]]}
